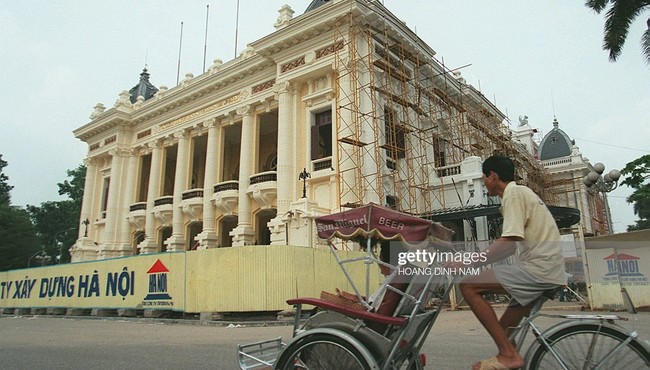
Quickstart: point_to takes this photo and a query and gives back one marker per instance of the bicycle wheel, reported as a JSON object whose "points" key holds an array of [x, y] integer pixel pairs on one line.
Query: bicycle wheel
{"points": [[584, 346], [321, 351]]}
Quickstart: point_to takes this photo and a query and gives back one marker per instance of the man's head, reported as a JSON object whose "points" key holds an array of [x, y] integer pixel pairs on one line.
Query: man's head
{"points": [[497, 172]]}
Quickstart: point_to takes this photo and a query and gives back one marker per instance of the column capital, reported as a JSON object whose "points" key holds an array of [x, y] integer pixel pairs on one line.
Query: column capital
{"points": [[121, 152], [245, 110], [284, 87], [155, 144], [181, 134], [210, 122], [90, 161]]}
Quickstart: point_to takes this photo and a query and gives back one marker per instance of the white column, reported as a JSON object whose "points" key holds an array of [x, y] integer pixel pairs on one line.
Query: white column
{"points": [[84, 245], [124, 232], [176, 242], [243, 234], [87, 203], [113, 206], [148, 245], [286, 132], [208, 237], [286, 174]]}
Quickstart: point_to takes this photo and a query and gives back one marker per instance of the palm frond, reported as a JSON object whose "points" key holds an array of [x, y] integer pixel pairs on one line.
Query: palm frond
{"points": [[617, 23], [645, 43], [597, 5]]}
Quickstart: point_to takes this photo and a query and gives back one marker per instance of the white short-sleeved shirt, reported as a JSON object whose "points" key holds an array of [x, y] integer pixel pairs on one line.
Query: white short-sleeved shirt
{"points": [[526, 216]]}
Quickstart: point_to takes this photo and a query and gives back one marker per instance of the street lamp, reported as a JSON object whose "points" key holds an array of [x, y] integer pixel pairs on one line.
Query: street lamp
{"points": [[596, 182], [304, 175], [56, 243], [41, 257]]}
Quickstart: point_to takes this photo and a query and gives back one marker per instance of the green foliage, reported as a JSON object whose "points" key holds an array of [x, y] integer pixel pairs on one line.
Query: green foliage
{"points": [[636, 175], [5, 188], [56, 226], [51, 227], [17, 236], [74, 188], [57, 222], [18, 241], [618, 18]]}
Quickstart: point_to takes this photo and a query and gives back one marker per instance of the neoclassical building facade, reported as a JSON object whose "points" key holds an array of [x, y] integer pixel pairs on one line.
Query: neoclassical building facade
{"points": [[340, 106]]}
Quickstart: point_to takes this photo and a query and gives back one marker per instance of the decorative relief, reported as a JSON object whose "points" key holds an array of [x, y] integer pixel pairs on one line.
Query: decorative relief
{"points": [[292, 65], [97, 111], [121, 152], [216, 66], [123, 103], [90, 161], [286, 14], [310, 57], [143, 134], [162, 91], [155, 144], [93, 147], [203, 111], [263, 86], [188, 79], [182, 134], [283, 87], [110, 140], [244, 110], [329, 50]]}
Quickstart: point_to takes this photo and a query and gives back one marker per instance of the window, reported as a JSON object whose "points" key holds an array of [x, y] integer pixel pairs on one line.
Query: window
{"points": [[107, 184], [391, 202], [321, 135], [439, 151], [395, 135], [143, 181]]}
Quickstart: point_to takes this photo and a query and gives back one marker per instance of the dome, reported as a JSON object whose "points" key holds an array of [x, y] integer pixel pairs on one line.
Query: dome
{"points": [[555, 144], [144, 88], [315, 4]]}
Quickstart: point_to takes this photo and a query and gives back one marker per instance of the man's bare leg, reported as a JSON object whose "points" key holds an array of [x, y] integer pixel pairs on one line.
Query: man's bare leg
{"points": [[472, 288], [512, 317]]}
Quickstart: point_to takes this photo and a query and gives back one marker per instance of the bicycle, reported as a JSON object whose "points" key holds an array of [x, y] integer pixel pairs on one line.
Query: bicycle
{"points": [[388, 333], [580, 341]]}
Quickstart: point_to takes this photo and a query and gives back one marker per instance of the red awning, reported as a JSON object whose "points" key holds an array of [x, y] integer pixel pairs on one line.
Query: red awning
{"points": [[373, 221]]}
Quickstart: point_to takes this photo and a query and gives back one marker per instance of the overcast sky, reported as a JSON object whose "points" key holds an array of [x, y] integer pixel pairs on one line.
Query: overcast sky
{"points": [[542, 59]]}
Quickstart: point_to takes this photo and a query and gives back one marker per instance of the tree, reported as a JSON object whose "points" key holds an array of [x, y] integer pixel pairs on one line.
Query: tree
{"points": [[618, 18], [74, 188], [637, 173], [5, 188], [57, 222], [18, 240]]}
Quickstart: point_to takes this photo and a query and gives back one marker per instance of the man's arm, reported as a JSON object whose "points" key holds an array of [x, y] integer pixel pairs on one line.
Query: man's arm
{"points": [[500, 249]]}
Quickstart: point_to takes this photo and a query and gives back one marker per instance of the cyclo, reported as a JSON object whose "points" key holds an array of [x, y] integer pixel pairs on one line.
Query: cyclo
{"points": [[387, 329]]}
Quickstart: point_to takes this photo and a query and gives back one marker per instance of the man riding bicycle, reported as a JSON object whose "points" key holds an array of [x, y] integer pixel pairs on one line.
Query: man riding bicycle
{"points": [[531, 235]]}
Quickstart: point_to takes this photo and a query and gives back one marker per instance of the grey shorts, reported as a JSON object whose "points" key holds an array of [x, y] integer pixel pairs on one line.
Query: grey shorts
{"points": [[522, 286]]}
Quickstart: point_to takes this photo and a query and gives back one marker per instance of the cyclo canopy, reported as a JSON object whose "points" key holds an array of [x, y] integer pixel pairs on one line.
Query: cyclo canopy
{"points": [[375, 222]]}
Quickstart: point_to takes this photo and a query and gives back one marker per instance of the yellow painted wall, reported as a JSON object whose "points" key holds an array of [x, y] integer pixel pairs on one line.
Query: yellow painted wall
{"points": [[252, 278]]}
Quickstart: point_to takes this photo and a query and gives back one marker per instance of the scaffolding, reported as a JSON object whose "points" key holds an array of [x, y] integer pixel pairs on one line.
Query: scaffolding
{"points": [[404, 121]]}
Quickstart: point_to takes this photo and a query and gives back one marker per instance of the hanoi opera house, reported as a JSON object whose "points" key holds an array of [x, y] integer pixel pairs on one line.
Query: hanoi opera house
{"points": [[340, 106]]}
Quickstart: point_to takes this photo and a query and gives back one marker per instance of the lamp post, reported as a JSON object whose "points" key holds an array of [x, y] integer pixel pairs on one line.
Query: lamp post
{"points": [[596, 182], [59, 244], [85, 223], [41, 257], [304, 175]]}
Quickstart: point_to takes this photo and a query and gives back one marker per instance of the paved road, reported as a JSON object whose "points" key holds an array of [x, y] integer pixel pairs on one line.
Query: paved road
{"points": [[45, 342]]}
